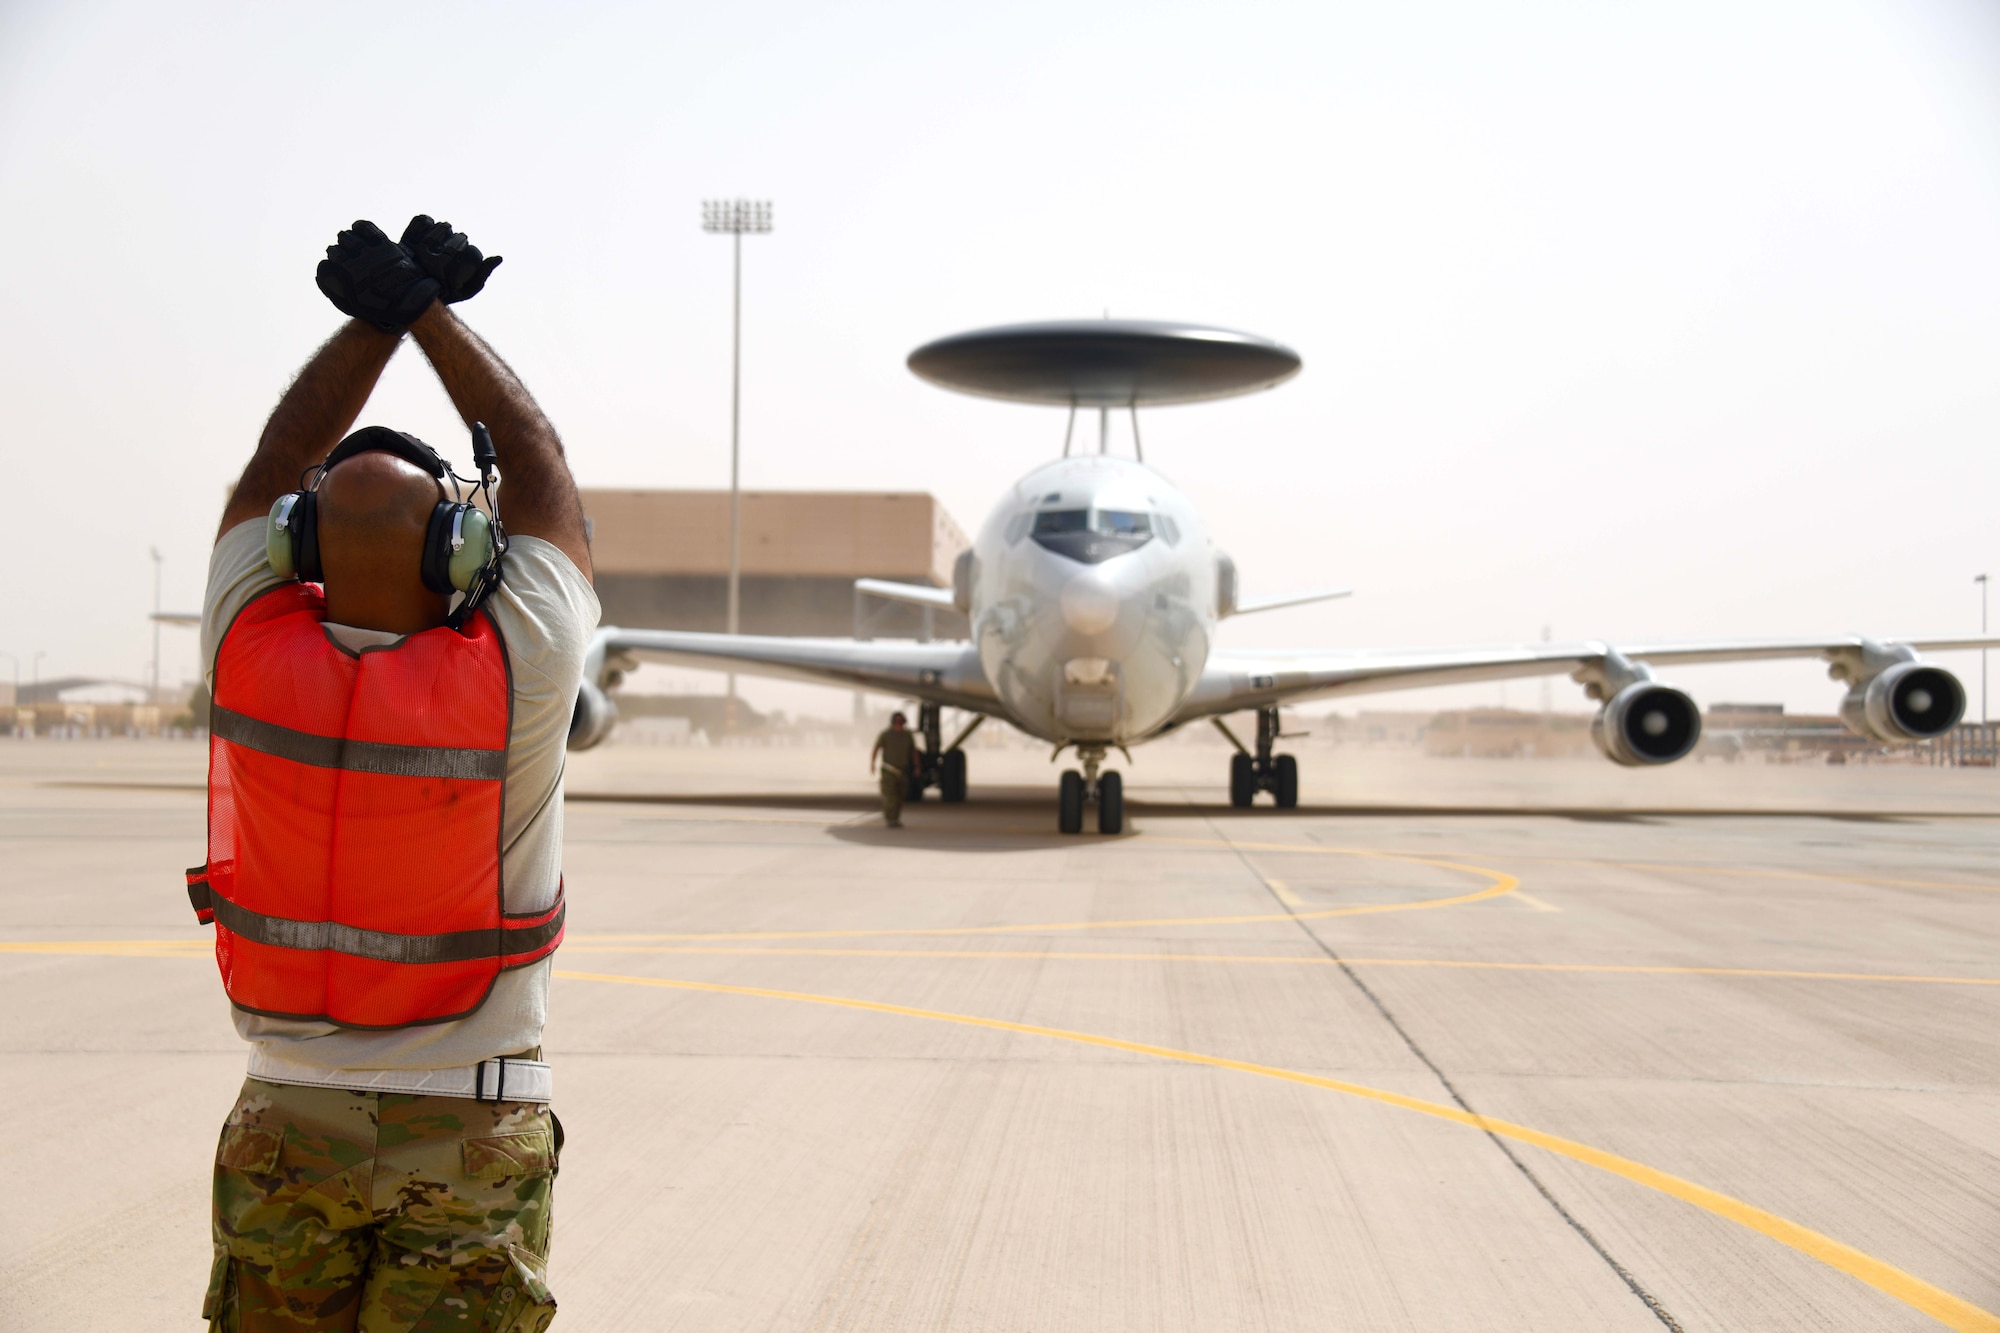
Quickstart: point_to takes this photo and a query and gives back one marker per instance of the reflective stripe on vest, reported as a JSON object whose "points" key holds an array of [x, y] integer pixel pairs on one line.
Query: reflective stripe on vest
{"points": [[402, 761], [517, 935], [355, 814]]}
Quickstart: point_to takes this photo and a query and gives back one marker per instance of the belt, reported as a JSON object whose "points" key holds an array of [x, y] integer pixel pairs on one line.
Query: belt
{"points": [[504, 1078]]}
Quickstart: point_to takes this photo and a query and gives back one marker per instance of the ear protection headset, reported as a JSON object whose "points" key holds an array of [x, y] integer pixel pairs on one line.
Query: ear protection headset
{"points": [[462, 546]]}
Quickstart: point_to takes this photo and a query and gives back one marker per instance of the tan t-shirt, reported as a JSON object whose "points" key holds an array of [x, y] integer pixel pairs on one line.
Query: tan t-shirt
{"points": [[898, 748], [546, 612]]}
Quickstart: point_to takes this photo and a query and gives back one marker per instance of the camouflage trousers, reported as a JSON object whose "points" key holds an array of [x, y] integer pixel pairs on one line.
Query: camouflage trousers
{"points": [[381, 1211]]}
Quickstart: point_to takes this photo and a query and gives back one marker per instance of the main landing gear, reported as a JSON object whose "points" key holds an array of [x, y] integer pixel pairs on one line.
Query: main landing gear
{"points": [[1263, 771], [937, 766], [1104, 790]]}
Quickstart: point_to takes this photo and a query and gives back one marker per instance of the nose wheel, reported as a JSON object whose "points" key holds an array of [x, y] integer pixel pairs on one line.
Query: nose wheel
{"points": [[1250, 773], [1077, 790]]}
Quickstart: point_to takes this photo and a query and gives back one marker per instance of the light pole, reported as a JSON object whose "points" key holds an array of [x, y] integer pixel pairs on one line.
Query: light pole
{"points": [[735, 217], [158, 560], [1980, 579]]}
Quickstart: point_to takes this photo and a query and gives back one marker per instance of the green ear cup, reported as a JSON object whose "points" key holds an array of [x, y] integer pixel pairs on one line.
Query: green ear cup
{"points": [[278, 545], [469, 559]]}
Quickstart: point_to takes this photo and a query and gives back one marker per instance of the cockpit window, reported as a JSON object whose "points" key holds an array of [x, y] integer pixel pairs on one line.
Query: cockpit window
{"points": [[1092, 535], [1121, 523]]}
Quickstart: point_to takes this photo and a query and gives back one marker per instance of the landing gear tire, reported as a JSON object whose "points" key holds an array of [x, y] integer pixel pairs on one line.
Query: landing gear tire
{"points": [[951, 777], [1069, 802], [1110, 804], [1242, 781], [1285, 781]]}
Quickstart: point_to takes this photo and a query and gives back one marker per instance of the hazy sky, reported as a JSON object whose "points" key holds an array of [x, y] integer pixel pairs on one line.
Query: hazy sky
{"points": [[1628, 319]]}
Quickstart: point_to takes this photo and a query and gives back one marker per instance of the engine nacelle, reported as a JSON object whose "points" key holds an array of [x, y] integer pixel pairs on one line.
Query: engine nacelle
{"points": [[1646, 723], [593, 719], [1225, 586], [1911, 701]]}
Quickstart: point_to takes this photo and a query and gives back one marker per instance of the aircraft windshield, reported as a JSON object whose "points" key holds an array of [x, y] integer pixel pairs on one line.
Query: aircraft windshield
{"points": [[1121, 523], [1092, 535]]}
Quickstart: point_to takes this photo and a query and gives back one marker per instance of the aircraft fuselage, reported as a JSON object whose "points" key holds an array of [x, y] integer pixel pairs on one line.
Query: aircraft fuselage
{"points": [[1093, 600]]}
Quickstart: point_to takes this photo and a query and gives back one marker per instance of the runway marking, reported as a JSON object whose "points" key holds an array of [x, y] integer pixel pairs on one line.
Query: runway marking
{"points": [[1031, 955], [1913, 1291], [1752, 872], [203, 948], [1290, 899], [1534, 902], [112, 948], [1500, 882]]}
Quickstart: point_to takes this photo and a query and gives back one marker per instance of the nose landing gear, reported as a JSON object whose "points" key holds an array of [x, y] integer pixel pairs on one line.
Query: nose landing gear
{"points": [[1263, 771], [1076, 790]]}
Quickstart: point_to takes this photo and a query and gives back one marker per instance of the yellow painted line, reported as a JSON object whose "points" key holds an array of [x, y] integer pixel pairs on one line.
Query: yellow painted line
{"points": [[1534, 902], [202, 949], [1290, 899], [1038, 956], [117, 948], [1949, 1310], [1751, 872], [1498, 883]]}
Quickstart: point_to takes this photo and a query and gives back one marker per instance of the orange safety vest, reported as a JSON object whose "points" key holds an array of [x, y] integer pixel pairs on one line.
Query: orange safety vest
{"points": [[354, 806]]}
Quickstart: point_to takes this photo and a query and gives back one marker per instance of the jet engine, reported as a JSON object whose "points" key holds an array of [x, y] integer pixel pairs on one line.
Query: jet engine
{"points": [[1646, 723], [593, 719], [1910, 701], [1225, 586]]}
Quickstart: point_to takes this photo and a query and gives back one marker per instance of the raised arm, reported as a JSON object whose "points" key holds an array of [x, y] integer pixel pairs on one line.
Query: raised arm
{"points": [[538, 495], [315, 412]]}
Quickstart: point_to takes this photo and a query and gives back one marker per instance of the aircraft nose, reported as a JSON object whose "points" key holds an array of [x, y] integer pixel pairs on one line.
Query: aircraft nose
{"points": [[1089, 604]]}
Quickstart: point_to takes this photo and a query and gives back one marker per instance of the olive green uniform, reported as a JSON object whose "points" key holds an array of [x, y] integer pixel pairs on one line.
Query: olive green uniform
{"points": [[899, 758]]}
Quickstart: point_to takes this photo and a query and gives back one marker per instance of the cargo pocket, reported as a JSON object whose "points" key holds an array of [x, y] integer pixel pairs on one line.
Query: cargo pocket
{"points": [[243, 1148], [216, 1300], [523, 1303]]}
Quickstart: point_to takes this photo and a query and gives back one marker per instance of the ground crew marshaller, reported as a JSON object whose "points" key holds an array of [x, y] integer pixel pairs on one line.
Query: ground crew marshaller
{"points": [[897, 749], [393, 671]]}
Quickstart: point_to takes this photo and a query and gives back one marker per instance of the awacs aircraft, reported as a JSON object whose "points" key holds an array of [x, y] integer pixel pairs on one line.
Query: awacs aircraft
{"points": [[1094, 592]]}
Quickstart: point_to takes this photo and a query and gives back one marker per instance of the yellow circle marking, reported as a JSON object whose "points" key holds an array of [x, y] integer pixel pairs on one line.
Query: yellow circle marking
{"points": [[1913, 1291]]}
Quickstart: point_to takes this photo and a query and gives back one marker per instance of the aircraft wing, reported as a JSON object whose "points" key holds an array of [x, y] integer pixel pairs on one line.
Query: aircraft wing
{"points": [[944, 673], [1232, 681]]}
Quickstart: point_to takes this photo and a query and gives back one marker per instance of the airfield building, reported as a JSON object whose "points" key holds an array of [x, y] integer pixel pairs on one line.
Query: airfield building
{"points": [[662, 560]]}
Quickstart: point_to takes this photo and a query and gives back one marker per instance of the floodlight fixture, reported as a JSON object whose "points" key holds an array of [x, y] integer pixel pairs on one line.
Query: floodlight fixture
{"points": [[736, 215]]}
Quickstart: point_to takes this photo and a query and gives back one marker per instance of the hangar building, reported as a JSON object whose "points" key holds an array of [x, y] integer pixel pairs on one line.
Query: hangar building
{"points": [[662, 560]]}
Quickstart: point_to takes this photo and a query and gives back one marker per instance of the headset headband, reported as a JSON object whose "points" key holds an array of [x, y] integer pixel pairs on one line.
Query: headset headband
{"points": [[381, 439]]}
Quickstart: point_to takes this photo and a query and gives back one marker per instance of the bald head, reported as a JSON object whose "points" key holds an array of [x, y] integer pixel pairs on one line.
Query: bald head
{"points": [[373, 511]]}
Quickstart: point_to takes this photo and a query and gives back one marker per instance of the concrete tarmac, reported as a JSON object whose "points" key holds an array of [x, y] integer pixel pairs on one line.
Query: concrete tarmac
{"points": [[1459, 1045]]}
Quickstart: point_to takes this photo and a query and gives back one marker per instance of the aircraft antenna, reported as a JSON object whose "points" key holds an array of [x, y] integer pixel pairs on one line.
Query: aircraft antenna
{"points": [[1103, 430], [1070, 429], [1138, 449]]}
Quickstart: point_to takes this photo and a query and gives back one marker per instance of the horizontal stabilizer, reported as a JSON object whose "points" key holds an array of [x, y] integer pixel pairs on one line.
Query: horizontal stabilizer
{"points": [[916, 594]]}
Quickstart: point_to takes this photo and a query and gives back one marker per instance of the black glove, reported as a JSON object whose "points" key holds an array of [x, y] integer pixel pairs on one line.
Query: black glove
{"points": [[447, 256], [368, 276]]}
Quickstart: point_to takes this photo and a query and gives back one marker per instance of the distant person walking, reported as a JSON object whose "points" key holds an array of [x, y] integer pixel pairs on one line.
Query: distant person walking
{"points": [[897, 749], [393, 674]]}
